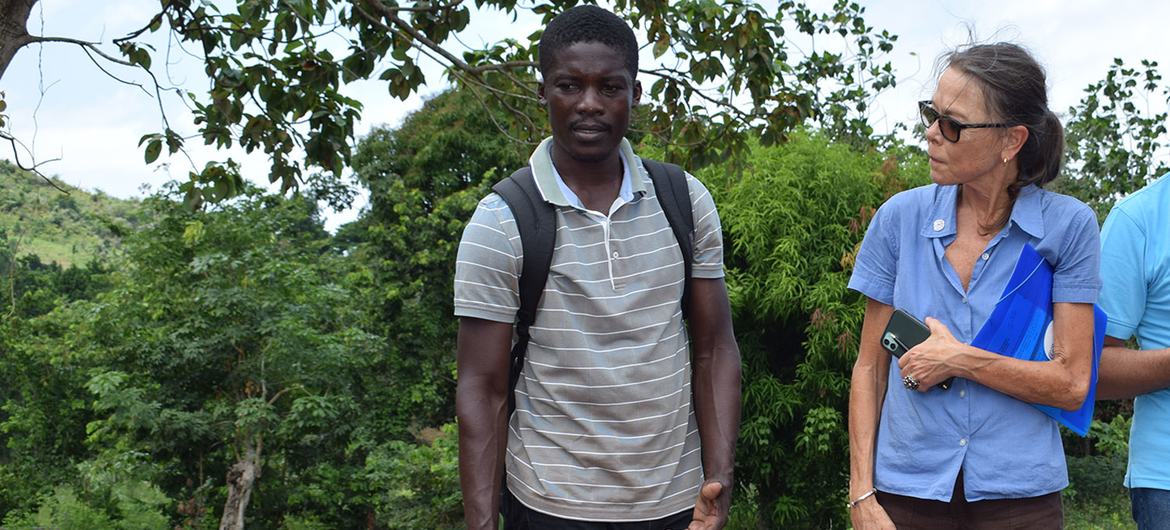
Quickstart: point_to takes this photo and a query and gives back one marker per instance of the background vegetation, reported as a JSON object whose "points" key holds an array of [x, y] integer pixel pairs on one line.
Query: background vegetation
{"points": [[185, 368]]}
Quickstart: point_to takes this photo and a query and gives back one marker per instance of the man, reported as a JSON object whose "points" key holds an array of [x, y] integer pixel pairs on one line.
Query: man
{"points": [[1135, 252], [614, 424]]}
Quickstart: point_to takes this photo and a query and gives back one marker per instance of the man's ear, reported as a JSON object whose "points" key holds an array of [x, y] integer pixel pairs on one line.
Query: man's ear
{"points": [[637, 92], [540, 93]]}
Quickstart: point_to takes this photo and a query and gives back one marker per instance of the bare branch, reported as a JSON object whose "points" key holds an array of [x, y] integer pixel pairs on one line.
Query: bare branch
{"points": [[16, 146], [505, 66], [110, 74], [435, 8], [84, 44]]}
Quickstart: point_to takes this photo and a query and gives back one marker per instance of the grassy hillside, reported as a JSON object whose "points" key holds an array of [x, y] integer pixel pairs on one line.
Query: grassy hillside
{"points": [[67, 228]]}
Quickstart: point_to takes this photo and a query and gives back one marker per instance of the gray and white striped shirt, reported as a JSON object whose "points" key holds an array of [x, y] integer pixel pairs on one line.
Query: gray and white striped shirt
{"points": [[603, 429]]}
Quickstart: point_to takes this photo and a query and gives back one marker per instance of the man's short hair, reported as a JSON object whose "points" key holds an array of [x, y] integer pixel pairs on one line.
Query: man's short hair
{"points": [[588, 23]]}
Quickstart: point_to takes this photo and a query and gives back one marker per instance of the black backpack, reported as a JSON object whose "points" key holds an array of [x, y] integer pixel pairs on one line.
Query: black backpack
{"points": [[536, 221]]}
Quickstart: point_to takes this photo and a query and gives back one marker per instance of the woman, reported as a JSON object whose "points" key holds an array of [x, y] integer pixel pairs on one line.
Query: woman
{"points": [[976, 455]]}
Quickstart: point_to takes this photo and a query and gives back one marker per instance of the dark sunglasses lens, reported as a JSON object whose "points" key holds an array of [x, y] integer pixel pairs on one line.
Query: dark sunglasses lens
{"points": [[946, 126], [949, 128]]}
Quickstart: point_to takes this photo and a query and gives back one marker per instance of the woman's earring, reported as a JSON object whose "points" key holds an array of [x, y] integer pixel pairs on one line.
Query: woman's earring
{"points": [[1005, 160]]}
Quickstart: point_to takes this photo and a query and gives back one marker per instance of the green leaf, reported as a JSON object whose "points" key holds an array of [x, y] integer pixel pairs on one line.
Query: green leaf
{"points": [[661, 46], [152, 150]]}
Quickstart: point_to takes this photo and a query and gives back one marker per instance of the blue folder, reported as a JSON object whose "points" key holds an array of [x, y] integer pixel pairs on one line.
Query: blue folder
{"points": [[1021, 319]]}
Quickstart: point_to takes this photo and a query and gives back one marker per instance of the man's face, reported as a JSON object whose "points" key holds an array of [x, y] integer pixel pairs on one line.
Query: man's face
{"points": [[589, 93]]}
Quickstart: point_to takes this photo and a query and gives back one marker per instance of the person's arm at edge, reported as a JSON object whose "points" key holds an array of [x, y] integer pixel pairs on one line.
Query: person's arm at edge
{"points": [[716, 389], [481, 405], [1126, 373], [867, 392]]}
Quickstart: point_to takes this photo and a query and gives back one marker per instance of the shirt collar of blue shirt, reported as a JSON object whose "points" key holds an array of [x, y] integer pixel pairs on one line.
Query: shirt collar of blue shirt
{"points": [[1026, 213], [553, 188]]}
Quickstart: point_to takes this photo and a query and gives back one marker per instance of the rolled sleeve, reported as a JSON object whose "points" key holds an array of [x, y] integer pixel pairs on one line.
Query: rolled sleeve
{"points": [[488, 264], [708, 236], [1123, 293]]}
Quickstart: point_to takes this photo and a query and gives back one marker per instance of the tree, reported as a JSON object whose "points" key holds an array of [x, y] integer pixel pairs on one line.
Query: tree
{"points": [[226, 349], [424, 178], [1116, 137], [276, 67], [793, 223]]}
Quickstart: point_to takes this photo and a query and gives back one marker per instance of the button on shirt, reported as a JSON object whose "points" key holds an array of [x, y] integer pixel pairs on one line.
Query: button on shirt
{"points": [[1006, 448]]}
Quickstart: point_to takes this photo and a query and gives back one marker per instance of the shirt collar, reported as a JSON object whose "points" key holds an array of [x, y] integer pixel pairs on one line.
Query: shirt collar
{"points": [[1025, 214], [554, 190]]}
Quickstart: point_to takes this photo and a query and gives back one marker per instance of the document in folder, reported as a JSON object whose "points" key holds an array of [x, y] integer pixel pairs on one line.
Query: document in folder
{"points": [[1020, 326]]}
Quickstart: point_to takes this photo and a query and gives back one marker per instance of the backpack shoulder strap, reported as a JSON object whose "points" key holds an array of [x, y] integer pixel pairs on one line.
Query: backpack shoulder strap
{"points": [[536, 221], [670, 185]]}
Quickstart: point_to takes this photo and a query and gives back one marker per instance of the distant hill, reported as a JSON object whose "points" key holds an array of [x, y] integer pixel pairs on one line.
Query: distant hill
{"points": [[69, 229]]}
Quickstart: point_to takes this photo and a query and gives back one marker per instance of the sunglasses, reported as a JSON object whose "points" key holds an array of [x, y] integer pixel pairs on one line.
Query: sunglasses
{"points": [[948, 126]]}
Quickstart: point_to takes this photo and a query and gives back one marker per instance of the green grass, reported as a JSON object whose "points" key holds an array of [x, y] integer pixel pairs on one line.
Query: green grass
{"points": [[68, 228]]}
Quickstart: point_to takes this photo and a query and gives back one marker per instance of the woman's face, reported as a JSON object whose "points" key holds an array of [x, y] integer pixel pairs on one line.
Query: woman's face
{"points": [[978, 155]]}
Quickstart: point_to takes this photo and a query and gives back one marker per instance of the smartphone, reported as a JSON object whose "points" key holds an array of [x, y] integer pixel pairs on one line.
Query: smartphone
{"points": [[904, 332]]}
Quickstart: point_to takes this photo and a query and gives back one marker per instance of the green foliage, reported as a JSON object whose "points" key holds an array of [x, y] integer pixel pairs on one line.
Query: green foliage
{"points": [[63, 510], [277, 70], [114, 493], [425, 179], [220, 331], [1116, 142], [418, 483], [71, 229], [793, 222], [1095, 497]]}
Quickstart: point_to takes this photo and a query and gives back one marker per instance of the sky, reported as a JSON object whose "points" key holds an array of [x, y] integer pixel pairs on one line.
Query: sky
{"points": [[63, 107]]}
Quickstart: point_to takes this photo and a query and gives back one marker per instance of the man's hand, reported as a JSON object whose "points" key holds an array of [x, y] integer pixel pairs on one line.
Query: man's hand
{"points": [[712, 507]]}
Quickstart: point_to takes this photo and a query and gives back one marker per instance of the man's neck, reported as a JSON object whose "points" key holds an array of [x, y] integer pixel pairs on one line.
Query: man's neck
{"points": [[596, 183]]}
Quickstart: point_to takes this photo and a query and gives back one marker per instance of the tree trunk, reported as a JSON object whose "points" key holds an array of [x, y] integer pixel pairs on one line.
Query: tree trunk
{"points": [[13, 29], [240, 480]]}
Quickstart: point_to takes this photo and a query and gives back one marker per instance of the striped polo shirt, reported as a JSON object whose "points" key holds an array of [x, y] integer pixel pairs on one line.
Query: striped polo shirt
{"points": [[603, 429]]}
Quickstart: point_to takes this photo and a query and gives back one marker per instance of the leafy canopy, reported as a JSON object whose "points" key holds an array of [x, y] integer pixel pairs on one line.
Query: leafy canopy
{"points": [[725, 70]]}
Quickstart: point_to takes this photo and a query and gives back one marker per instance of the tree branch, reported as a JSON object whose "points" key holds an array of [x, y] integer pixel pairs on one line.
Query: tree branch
{"points": [[153, 20], [16, 145], [672, 75], [84, 44], [504, 66]]}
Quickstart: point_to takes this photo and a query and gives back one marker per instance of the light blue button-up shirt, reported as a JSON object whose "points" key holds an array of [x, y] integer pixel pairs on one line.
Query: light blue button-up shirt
{"points": [[1006, 448]]}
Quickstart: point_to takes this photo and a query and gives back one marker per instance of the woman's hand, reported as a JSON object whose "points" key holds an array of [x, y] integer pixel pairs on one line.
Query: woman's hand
{"points": [[930, 362], [869, 515]]}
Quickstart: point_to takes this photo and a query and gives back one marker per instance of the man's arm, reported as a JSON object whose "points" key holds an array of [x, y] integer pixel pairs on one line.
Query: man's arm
{"points": [[716, 382], [481, 404], [1126, 373]]}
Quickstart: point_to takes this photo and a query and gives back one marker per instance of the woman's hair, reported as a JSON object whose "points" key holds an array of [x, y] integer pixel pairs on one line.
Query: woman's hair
{"points": [[1014, 89]]}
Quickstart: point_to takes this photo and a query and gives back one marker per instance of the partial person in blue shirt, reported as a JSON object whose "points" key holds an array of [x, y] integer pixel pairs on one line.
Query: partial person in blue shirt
{"points": [[1135, 250], [976, 455]]}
